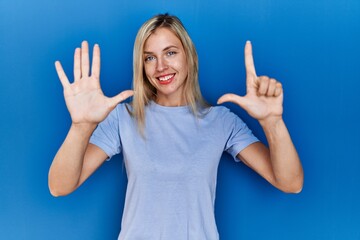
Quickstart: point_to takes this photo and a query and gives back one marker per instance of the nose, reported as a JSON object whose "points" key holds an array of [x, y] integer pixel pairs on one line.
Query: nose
{"points": [[161, 65]]}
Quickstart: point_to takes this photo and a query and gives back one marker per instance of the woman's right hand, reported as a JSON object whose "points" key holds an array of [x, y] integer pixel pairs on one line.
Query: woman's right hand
{"points": [[84, 97]]}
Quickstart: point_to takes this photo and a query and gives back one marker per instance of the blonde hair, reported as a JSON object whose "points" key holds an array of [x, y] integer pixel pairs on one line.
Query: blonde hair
{"points": [[144, 91]]}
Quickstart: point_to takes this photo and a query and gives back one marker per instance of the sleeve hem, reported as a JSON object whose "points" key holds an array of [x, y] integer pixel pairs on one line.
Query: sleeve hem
{"points": [[237, 149], [103, 146]]}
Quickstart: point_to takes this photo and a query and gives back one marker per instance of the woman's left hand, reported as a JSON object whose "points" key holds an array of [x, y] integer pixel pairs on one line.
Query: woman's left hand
{"points": [[264, 96]]}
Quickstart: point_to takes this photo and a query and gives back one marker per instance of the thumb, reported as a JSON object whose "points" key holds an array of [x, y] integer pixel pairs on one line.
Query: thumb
{"points": [[230, 97], [121, 97]]}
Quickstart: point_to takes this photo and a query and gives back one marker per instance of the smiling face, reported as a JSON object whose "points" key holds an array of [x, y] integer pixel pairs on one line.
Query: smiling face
{"points": [[166, 66]]}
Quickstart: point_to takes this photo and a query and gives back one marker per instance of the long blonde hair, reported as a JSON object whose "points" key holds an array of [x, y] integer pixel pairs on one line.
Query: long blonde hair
{"points": [[144, 91]]}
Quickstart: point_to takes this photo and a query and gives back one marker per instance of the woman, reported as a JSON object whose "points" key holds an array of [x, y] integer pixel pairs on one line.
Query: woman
{"points": [[170, 138]]}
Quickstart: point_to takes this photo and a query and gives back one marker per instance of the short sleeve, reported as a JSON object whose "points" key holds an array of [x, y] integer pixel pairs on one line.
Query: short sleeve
{"points": [[106, 135], [239, 136]]}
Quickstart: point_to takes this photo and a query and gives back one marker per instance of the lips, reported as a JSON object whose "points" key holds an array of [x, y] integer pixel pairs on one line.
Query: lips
{"points": [[166, 79]]}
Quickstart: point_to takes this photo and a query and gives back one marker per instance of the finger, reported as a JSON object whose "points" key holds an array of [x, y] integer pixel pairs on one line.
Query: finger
{"points": [[271, 88], [278, 90], [62, 76], [95, 67], [263, 83], [77, 67], [249, 60], [121, 97], [85, 59], [230, 97]]}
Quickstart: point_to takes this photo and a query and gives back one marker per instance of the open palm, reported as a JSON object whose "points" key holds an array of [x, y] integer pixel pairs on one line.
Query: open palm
{"points": [[264, 95], [84, 97]]}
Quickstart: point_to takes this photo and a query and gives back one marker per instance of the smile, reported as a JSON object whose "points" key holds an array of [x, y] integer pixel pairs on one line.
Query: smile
{"points": [[166, 79]]}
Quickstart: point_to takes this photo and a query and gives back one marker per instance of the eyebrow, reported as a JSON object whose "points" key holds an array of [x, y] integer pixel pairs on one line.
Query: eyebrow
{"points": [[164, 50]]}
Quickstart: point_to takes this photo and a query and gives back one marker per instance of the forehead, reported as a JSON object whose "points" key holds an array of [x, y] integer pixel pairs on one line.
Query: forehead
{"points": [[160, 39]]}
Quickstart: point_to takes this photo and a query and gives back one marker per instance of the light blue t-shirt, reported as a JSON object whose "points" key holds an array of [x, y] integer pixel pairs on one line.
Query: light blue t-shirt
{"points": [[172, 171]]}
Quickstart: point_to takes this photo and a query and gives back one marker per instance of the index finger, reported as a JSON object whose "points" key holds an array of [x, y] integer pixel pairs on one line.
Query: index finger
{"points": [[249, 60]]}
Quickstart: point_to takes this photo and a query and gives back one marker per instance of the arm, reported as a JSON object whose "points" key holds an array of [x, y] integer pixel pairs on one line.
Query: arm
{"points": [[76, 159], [280, 164]]}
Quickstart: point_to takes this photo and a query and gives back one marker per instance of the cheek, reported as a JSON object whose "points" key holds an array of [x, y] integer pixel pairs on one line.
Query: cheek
{"points": [[182, 67], [185, 66], [148, 71]]}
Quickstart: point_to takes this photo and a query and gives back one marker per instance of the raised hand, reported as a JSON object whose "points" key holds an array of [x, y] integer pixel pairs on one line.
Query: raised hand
{"points": [[264, 95], [84, 97]]}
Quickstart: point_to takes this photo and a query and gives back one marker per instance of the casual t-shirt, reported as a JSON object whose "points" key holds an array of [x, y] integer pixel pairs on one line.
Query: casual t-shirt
{"points": [[172, 169]]}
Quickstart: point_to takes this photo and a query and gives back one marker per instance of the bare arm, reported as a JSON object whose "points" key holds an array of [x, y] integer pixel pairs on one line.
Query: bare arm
{"points": [[76, 159], [280, 164]]}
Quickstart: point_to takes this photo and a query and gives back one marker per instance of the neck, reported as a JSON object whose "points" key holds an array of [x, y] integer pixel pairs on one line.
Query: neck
{"points": [[170, 102]]}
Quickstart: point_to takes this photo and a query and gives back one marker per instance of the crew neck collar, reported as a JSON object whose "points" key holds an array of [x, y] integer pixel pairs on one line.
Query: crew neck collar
{"points": [[159, 107]]}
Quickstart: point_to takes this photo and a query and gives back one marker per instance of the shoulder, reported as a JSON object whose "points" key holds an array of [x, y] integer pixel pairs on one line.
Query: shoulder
{"points": [[225, 117], [121, 111], [219, 109], [123, 108], [221, 112]]}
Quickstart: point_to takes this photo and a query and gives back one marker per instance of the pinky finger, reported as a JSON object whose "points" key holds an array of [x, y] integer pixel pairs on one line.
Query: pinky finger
{"points": [[62, 76], [278, 89]]}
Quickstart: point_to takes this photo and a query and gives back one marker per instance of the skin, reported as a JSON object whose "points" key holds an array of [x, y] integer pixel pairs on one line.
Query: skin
{"points": [[164, 56], [280, 164], [76, 159]]}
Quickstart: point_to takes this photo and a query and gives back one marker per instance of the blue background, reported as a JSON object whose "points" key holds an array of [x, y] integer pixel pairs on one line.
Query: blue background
{"points": [[312, 47]]}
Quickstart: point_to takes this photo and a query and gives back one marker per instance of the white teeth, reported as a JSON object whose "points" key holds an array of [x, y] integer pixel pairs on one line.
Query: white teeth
{"points": [[166, 77]]}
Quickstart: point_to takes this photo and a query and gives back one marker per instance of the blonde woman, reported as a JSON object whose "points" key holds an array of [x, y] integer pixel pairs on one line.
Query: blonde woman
{"points": [[170, 138]]}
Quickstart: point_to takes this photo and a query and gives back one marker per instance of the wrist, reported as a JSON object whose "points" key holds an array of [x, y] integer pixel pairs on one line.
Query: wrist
{"points": [[84, 128], [271, 122]]}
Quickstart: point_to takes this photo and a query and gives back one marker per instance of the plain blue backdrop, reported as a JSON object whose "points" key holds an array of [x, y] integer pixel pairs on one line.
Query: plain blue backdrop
{"points": [[312, 47]]}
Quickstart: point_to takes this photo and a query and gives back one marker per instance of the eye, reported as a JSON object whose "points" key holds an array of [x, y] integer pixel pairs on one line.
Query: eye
{"points": [[149, 58], [170, 53]]}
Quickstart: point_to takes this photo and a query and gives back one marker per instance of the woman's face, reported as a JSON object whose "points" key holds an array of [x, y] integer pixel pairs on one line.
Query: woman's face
{"points": [[166, 66]]}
